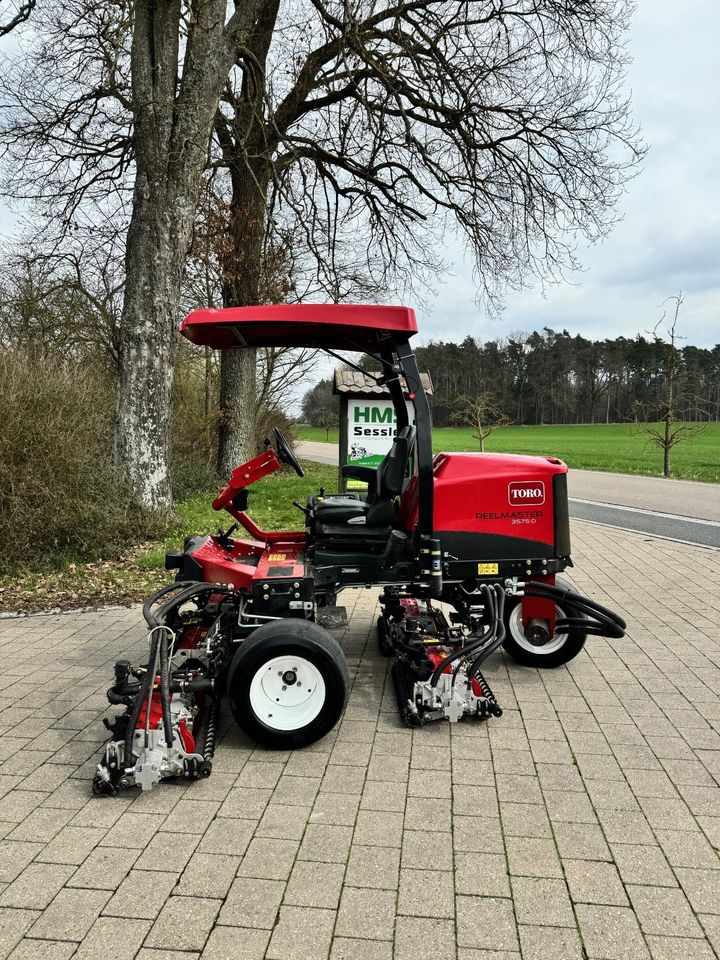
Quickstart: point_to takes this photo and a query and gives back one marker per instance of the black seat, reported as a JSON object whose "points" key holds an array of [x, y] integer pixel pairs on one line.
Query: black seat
{"points": [[378, 510]]}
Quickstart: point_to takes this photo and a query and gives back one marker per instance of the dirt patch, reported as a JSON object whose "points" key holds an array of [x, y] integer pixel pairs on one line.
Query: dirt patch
{"points": [[106, 582]]}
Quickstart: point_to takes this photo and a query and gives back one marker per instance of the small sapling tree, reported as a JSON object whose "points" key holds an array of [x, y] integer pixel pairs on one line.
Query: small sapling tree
{"points": [[658, 420], [482, 414]]}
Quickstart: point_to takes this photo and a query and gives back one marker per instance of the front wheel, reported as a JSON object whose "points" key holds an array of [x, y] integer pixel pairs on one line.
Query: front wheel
{"points": [[288, 684], [560, 648]]}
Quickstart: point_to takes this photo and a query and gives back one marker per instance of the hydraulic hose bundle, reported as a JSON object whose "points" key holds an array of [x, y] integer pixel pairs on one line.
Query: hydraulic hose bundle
{"points": [[486, 642], [205, 744], [598, 620]]}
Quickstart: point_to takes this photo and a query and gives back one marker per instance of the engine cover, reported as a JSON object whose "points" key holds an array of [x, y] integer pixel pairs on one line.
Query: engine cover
{"points": [[497, 515]]}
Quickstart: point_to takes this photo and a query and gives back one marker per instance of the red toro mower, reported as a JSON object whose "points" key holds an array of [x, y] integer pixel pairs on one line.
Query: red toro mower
{"points": [[482, 534]]}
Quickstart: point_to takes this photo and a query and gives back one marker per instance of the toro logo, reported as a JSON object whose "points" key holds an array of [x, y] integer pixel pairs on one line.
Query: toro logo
{"points": [[526, 493]]}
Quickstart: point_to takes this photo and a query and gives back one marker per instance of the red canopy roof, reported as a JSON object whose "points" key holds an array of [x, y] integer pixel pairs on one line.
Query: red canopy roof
{"points": [[336, 326]]}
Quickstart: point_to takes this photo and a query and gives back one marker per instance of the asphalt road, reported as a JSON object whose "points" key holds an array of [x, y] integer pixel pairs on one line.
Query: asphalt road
{"points": [[673, 509], [319, 452]]}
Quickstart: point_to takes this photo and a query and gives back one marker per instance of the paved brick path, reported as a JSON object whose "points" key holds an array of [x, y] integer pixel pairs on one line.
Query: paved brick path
{"points": [[586, 819]]}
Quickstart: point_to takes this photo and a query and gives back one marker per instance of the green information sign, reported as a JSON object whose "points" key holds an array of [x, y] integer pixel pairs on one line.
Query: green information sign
{"points": [[367, 420], [370, 429]]}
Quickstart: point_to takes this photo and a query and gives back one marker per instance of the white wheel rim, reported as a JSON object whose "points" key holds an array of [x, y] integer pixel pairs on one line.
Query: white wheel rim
{"points": [[517, 632], [282, 703]]}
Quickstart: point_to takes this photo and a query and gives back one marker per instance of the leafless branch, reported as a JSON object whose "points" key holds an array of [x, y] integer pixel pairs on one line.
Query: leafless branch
{"points": [[24, 9]]}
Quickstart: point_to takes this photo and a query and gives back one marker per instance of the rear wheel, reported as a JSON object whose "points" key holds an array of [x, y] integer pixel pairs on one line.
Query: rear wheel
{"points": [[288, 684], [560, 648]]}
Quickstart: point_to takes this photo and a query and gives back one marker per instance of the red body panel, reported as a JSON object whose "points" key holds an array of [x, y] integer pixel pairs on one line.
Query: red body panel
{"points": [[281, 560], [329, 325], [489, 493], [437, 657], [236, 566], [249, 561], [156, 719], [243, 476], [266, 536], [155, 710]]}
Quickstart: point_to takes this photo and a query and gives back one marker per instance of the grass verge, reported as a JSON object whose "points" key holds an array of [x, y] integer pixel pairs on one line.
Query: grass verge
{"points": [[140, 570]]}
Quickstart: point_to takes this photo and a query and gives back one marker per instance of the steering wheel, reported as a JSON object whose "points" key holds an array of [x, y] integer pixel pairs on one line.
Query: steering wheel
{"points": [[285, 454]]}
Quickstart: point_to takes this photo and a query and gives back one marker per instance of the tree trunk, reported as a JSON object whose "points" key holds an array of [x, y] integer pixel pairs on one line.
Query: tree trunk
{"points": [[154, 261], [666, 447], [236, 432], [242, 276], [174, 106]]}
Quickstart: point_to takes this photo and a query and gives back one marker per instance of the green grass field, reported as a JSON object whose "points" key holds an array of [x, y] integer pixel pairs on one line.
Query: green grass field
{"points": [[618, 447]]}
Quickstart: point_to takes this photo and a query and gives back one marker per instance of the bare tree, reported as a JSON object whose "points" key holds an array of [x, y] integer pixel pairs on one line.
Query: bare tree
{"points": [[63, 304], [388, 123], [19, 13], [482, 413], [369, 127], [273, 373], [669, 431]]}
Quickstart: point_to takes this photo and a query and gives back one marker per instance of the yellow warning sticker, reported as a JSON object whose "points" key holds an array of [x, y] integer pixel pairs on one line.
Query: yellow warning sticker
{"points": [[487, 569], [275, 556]]}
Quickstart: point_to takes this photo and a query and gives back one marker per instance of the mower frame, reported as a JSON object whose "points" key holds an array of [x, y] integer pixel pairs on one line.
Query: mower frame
{"points": [[241, 620]]}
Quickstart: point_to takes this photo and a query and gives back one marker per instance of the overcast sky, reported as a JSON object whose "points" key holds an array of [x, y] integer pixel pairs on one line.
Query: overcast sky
{"points": [[669, 239]]}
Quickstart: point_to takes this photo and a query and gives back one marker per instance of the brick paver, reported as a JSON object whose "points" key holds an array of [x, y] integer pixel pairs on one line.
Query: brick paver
{"points": [[583, 823]]}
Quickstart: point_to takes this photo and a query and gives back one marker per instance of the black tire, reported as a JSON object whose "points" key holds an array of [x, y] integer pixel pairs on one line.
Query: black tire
{"points": [[557, 654], [321, 658], [384, 645]]}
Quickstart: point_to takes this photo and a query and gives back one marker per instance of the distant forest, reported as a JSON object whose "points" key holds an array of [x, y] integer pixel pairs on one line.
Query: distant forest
{"points": [[551, 377]]}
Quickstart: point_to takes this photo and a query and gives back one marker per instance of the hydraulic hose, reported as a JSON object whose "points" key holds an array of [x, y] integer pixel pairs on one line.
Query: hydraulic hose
{"points": [[165, 686], [119, 699], [485, 638], [499, 639], [142, 696], [191, 590], [602, 621], [188, 589], [462, 654], [150, 618], [486, 651]]}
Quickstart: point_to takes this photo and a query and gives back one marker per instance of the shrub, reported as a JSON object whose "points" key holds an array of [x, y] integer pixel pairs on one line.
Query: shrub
{"points": [[60, 496], [192, 474]]}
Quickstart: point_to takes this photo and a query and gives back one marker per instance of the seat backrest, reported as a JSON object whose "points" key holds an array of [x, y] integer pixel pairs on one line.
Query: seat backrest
{"points": [[391, 472]]}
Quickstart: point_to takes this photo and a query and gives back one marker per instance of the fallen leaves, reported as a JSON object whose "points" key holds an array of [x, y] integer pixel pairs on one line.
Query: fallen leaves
{"points": [[103, 583]]}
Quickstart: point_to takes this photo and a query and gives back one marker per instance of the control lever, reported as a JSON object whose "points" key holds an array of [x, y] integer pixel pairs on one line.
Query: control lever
{"points": [[224, 537], [305, 510]]}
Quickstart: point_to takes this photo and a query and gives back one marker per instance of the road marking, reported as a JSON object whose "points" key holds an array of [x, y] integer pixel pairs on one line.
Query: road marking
{"points": [[649, 513], [645, 533]]}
